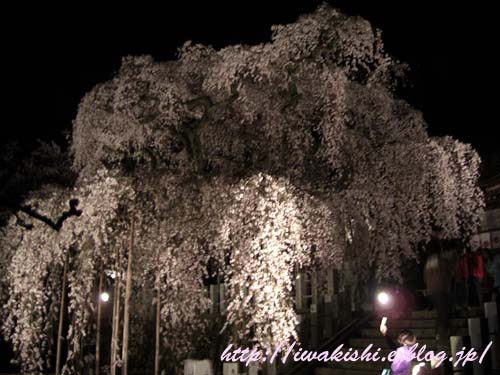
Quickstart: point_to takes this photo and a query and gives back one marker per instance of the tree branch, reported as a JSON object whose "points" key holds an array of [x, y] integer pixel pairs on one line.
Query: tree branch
{"points": [[57, 225], [22, 223]]}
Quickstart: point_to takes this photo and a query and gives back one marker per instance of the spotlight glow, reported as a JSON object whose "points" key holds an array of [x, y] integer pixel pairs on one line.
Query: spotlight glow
{"points": [[104, 297], [383, 298]]}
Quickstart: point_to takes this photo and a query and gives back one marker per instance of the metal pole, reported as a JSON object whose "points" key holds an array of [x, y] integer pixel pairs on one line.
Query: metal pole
{"points": [[126, 306], [116, 315], [98, 330]]}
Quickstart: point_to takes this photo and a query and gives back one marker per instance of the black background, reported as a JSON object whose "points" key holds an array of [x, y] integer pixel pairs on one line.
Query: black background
{"points": [[450, 47]]}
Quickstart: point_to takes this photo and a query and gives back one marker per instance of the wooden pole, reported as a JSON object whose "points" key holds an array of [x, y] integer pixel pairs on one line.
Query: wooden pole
{"points": [[98, 330], [157, 331], [61, 314], [116, 315], [126, 306]]}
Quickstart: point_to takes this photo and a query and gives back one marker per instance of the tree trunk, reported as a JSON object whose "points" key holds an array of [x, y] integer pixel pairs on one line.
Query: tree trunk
{"points": [[61, 314], [157, 331], [126, 306], [116, 315], [98, 330]]}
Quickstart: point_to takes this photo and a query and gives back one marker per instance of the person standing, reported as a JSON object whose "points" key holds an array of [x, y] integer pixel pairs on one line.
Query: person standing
{"points": [[476, 275], [494, 269], [461, 293], [402, 363], [438, 277]]}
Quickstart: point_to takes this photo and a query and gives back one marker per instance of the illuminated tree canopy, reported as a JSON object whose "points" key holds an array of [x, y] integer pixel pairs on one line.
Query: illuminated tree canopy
{"points": [[263, 158]]}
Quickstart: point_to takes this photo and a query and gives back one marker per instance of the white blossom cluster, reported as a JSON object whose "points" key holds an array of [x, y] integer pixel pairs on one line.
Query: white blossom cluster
{"points": [[264, 158], [33, 274]]}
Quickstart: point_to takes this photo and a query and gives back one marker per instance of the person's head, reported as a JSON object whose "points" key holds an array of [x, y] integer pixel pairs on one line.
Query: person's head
{"points": [[407, 338]]}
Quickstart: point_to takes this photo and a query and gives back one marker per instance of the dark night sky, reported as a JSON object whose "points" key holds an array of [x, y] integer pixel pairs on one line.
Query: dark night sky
{"points": [[450, 48]]}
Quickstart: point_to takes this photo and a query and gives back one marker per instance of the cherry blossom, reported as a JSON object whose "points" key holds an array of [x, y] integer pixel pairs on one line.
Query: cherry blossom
{"points": [[264, 159]]}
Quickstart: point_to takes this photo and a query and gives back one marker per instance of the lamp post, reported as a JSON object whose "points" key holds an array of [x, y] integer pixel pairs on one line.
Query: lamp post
{"points": [[103, 298]]}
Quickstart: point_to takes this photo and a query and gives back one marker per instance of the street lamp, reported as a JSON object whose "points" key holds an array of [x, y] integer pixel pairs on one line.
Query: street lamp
{"points": [[104, 297], [383, 298]]}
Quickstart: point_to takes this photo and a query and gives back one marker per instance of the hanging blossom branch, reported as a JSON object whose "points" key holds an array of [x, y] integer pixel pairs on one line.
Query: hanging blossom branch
{"points": [[295, 152]]}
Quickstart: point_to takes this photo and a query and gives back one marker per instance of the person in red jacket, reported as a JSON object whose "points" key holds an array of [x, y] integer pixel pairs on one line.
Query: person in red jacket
{"points": [[461, 293], [476, 275]]}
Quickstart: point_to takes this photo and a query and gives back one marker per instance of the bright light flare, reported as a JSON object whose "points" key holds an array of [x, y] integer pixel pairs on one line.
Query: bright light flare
{"points": [[383, 298], [104, 297]]}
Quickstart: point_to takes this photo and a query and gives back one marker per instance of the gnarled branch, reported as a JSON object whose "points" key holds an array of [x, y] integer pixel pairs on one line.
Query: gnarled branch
{"points": [[56, 225]]}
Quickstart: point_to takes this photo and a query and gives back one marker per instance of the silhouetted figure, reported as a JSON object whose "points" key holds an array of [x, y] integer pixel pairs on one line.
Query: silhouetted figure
{"points": [[439, 275], [461, 292], [402, 362], [476, 274], [494, 270]]}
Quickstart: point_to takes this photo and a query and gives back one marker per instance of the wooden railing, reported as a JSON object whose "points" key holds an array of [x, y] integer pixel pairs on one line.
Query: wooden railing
{"points": [[322, 309]]}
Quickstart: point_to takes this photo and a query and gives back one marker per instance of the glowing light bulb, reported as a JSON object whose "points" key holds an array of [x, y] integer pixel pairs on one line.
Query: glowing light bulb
{"points": [[383, 298], [104, 296]]}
